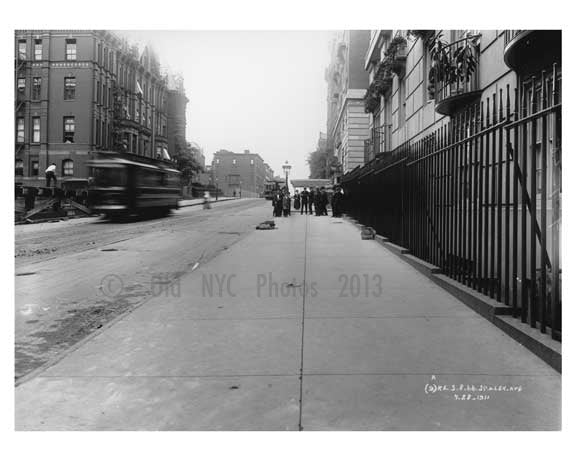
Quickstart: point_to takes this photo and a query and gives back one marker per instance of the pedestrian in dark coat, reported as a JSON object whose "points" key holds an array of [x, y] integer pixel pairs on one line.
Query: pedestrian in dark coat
{"points": [[304, 196], [323, 202], [286, 203], [317, 202], [277, 204], [296, 201], [337, 199]]}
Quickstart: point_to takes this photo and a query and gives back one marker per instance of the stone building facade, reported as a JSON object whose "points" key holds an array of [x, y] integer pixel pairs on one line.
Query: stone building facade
{"points": [[347, 80], [407, 107]]}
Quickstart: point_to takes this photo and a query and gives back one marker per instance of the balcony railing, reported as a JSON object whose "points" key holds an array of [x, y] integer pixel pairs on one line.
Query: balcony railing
{"points": [[526, 51], [460, 84], [509, 35]]}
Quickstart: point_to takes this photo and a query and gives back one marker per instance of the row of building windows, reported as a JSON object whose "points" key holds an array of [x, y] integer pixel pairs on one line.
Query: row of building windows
{"points": [[67, 167], [234, 161], [70, 49], [69, 87], [68, 135]]}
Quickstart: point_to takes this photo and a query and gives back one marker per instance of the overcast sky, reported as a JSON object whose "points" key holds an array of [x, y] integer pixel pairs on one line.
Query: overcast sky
{"points": [[263, 91]]}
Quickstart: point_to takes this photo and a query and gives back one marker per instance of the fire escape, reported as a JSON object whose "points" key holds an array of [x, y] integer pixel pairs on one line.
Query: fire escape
{"points": [[20, 98]]}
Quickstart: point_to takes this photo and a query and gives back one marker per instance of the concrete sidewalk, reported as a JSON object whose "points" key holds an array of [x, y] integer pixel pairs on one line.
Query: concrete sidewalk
{"points": [[304, 327]]}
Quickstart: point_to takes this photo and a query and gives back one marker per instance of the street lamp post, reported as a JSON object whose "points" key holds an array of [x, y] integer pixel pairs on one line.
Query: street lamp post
{"points": [[286, 167]]}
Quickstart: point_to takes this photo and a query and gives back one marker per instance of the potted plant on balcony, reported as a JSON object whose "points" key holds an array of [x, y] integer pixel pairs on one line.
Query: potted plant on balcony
{"points": [[423, 35], [396, 54], [371, 101], [452, 64]]}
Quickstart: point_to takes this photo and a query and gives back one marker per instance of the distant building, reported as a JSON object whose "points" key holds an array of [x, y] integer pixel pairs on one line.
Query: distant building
{"points": [[348, 124], [268, 172], [81, 91], [322, 141], [239, 174], [176, 113], [300, 184]]}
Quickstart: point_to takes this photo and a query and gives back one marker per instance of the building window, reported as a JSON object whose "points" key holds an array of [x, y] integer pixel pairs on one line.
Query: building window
{"points": [[35, 168], [22, 49], [69, 88], [251, 161], [70, 49], [402, 102], [103, 133], [427, 89], [38, 50], [134, 144], [20, 129], [19, 167], [97, 141], [234, 161], [105, 63], [67, 167], [21, 85], [36, 87], [217, 161], [69, 129], [100, 53], [36, 129]]}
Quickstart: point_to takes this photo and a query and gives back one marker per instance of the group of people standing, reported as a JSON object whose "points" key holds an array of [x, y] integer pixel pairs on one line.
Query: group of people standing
{"points": [[308, 202]]}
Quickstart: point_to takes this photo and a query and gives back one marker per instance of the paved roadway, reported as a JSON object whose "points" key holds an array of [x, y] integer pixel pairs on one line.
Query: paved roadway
{"points": [[73, 277]]}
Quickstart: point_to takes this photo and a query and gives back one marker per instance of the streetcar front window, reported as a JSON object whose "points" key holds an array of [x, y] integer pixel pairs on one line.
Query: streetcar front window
{"points": [[108, 177]]}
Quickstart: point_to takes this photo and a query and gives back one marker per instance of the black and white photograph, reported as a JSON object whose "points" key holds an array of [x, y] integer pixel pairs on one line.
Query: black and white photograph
{"points": [[284, 229]]}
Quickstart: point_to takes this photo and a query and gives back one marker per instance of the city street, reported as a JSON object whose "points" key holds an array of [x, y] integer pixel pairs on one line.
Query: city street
{"points": [[289, 229], [73, 277], [305, 327]]}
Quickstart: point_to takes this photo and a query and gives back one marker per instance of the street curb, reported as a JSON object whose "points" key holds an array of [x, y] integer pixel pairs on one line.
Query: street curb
{"points": [[212, 202], [497, 313]]}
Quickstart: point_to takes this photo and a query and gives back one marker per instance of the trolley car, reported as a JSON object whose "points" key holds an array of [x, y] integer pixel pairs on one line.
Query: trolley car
{"points": [[123, 185], [271, 187]]}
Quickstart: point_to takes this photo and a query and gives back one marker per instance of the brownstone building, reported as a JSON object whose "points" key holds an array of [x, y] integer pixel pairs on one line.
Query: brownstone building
{"points": [[82, 91]]}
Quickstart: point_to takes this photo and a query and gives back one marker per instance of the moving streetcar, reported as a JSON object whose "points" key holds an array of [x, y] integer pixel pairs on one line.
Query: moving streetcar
{"points": [[124, 184]]}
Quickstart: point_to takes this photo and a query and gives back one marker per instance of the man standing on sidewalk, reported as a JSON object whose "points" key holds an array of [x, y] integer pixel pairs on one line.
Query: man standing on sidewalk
{"points": [[50, 174], [304, 200]]}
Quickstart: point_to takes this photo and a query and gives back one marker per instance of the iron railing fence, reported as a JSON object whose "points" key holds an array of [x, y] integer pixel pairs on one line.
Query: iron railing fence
{"points": [[480, 198]]}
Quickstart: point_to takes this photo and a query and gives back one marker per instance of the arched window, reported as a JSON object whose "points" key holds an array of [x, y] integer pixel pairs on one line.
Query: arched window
{"points": [[19, 167], [67, 167]]}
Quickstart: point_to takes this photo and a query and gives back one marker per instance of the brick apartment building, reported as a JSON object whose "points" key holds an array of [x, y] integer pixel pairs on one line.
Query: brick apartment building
{"points": [[81, 91], [240, 174]]}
